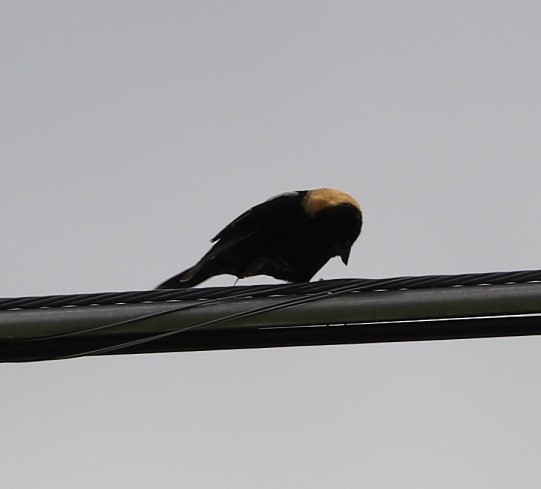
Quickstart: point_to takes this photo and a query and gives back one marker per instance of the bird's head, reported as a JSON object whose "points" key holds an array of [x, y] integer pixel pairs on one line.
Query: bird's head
{"points": [[339, 217]]}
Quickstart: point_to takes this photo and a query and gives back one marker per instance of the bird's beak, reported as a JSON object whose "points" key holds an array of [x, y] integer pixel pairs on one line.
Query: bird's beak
{"points": [[343, 250]]}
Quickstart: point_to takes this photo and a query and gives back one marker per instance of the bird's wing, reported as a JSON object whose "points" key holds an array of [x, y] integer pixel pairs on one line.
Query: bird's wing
{"points": [[267, 215], [262, 216]]}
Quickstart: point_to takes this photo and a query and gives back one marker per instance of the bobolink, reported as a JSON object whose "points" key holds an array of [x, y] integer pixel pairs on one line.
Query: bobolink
{"points": [[289, 237]]}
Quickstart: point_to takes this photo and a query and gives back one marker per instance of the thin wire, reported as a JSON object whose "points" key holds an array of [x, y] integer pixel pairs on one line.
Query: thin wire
{"points": [[350, 287], [138, 319], [239, 315]]}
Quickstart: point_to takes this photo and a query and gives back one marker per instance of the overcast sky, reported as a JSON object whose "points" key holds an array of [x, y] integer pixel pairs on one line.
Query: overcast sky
{"points": [[133, 131]]}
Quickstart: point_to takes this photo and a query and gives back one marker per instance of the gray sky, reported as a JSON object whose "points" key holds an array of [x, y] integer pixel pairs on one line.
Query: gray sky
{"points": [[133, 131]]}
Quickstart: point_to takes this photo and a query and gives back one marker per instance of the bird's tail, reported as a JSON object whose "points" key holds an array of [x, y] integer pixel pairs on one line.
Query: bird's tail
{"points": [[188, 278]]}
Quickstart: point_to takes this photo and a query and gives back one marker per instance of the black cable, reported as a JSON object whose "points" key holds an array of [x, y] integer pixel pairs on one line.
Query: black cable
{"points": [[294, 294], [165, 295]]}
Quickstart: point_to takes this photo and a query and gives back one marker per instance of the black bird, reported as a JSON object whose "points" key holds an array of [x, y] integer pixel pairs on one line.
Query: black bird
{"points": [[289, 237]]}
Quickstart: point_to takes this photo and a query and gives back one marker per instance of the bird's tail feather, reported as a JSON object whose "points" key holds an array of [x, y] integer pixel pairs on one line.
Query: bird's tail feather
{"points": [[188, 278]]}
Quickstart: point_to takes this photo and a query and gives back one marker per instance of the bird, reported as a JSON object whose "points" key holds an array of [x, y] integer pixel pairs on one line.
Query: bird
{"points": [[289, 237]]}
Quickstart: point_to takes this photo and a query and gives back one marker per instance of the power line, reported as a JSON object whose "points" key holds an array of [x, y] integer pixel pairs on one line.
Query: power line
{"points": [[325, 312]]}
